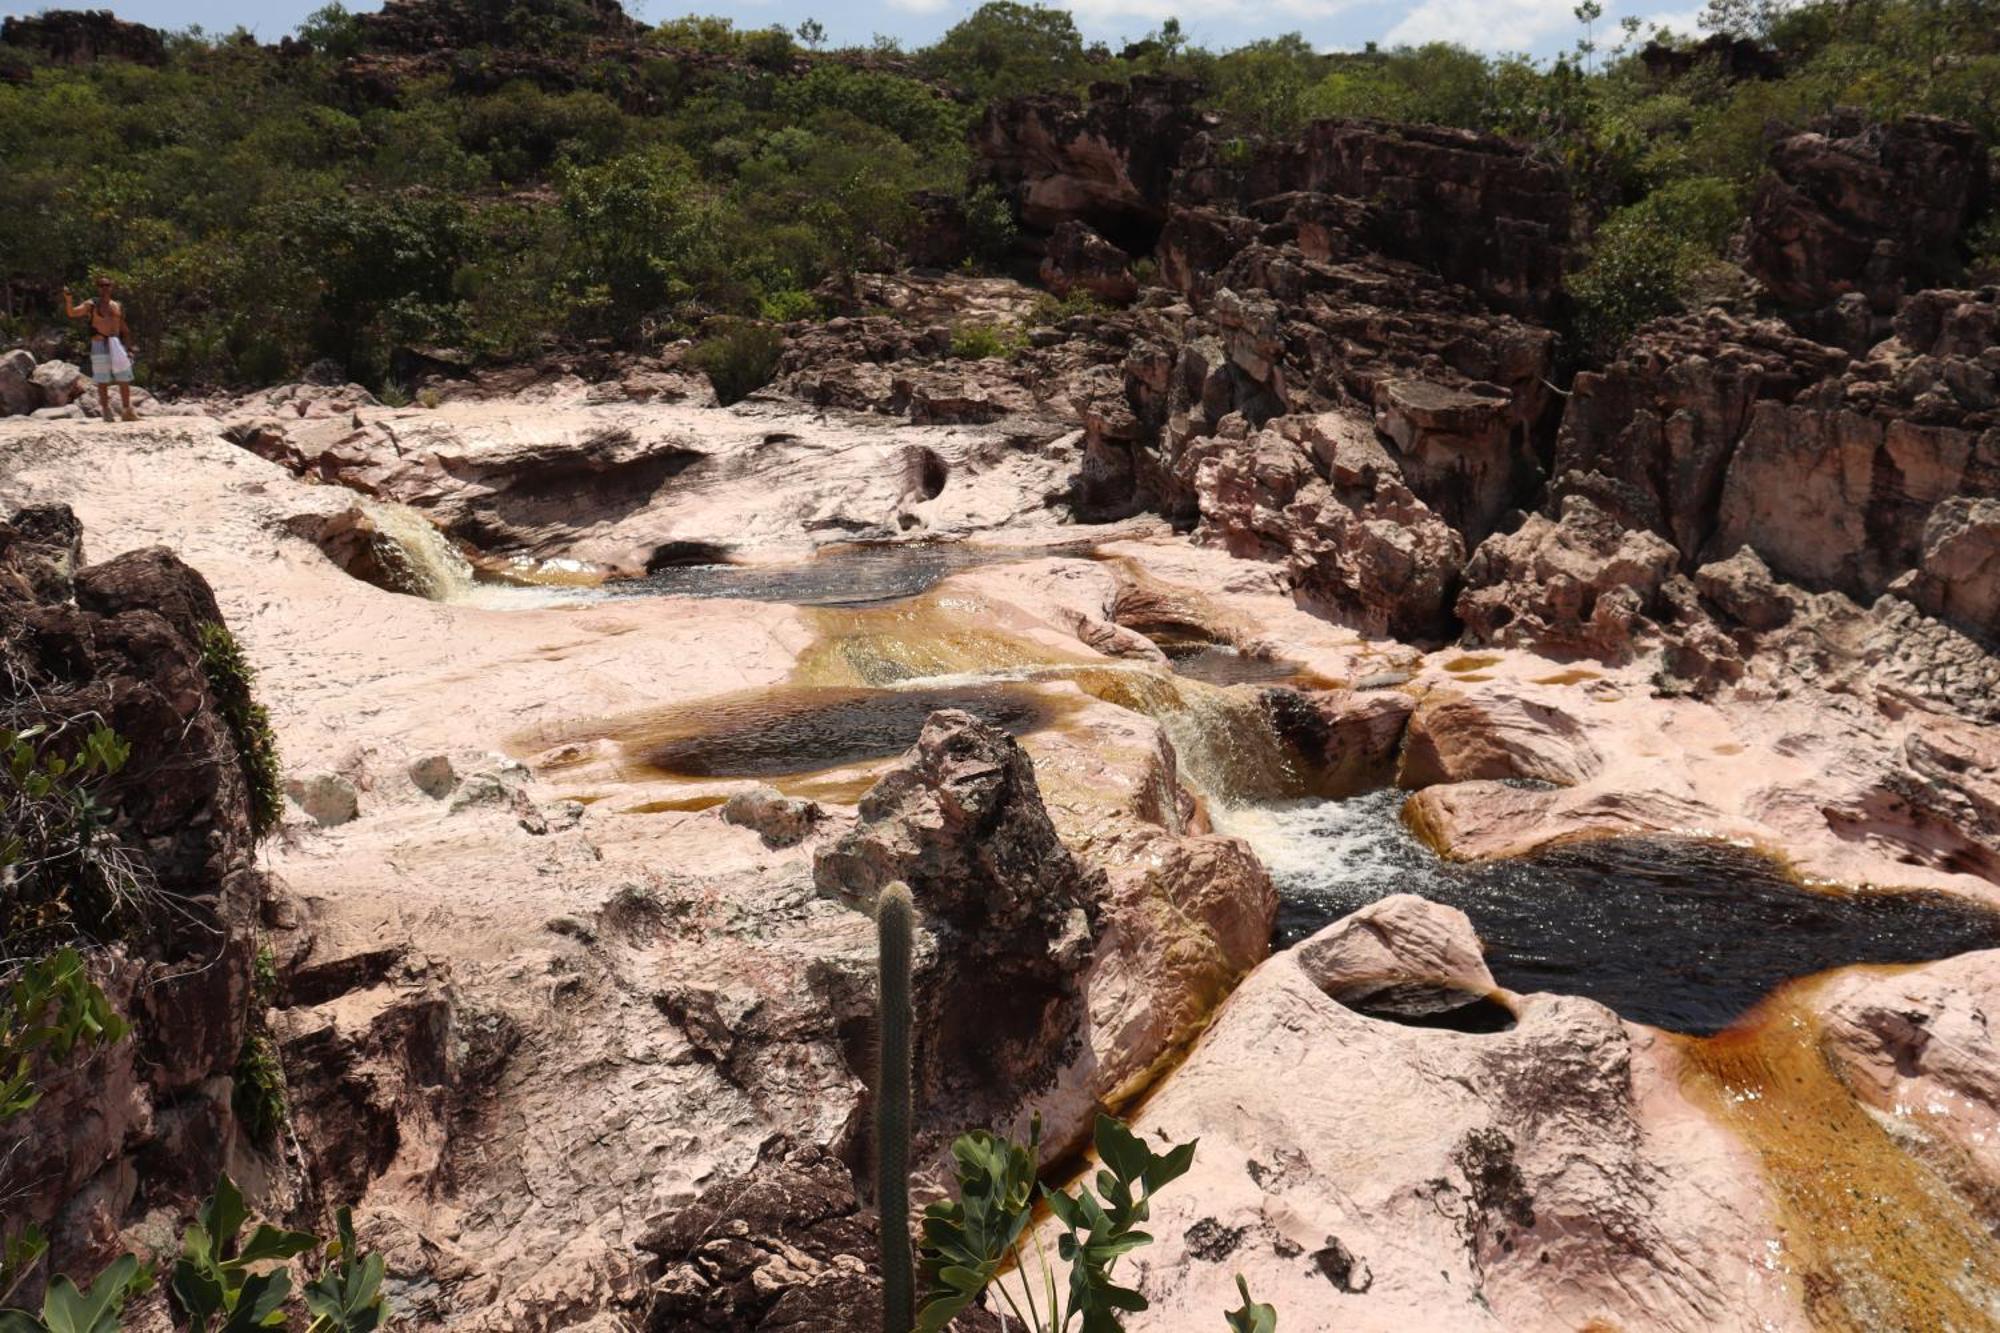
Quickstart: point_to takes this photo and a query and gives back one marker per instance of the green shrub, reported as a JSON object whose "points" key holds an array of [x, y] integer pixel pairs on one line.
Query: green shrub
{"points": [[1983, 266], [739, 360], [1637, 272], [1049, 309], [789, 305], [1004, 49], [990, 229], [769, 48], [978, 342], [231, 679]]}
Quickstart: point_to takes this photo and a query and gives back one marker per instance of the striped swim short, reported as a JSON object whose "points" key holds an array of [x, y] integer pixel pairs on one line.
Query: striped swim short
{"points": [[100, 365]]}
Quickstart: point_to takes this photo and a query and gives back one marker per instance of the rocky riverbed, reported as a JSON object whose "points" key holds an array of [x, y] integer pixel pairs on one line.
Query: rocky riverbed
{"points": [[1545, 844]]}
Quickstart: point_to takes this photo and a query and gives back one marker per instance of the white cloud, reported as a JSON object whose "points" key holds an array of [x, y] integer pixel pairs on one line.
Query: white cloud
{"points": [[1486, 25], [1684, 22]]}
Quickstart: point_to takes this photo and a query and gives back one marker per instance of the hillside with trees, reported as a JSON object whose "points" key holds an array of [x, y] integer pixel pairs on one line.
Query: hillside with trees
{"points": [[495, 179]]}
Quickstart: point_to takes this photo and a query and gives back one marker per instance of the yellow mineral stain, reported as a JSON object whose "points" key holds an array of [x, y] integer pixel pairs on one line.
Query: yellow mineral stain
{"points": [[1873, 1238], [1573, 676], [1472, 662], [939, 634]]}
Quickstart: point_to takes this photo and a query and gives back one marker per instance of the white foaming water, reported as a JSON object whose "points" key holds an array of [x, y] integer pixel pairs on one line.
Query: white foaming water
{"points": [[430, 565], [1339, 855]]}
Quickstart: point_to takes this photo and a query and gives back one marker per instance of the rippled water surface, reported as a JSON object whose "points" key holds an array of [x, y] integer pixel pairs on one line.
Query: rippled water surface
{"points": [[839, 576], [1677, 933]]}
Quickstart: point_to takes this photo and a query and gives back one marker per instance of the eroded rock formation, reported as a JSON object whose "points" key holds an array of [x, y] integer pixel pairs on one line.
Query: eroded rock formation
{"points": [[147, 1122]]}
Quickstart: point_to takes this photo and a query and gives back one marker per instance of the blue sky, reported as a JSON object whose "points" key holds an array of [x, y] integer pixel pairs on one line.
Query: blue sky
{"points": [[1542, 27]]}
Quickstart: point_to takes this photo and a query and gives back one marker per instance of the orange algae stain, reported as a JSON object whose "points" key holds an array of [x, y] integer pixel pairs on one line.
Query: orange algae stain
{"points": [[1472, 662], [1573, 676], [1873, 1238]]}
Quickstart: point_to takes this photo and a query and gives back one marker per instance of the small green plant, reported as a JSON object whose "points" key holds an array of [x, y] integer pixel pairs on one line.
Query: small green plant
{"points": [[393, 394], [51, 1010], [895, 935], [1252, 1318], [231, 678], [65, 1309], [968, 1240], [264, 977], [19, 1254], [978, 342], [218, 1284], [259, 1095], [346, 1296], [739, 360], [64, 871], [429, 399]]}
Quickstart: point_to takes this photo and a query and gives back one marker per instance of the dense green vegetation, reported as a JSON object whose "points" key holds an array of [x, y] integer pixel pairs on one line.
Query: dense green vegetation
{"points": [[268, 209]]}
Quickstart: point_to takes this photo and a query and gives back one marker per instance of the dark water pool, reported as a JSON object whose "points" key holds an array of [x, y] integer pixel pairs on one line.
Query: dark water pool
{"points": [[840, 576], [791, 730], [1676, 933]]}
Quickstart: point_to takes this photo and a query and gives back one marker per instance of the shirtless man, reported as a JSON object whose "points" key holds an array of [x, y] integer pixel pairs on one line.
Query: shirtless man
{"points": [[110, 362]]}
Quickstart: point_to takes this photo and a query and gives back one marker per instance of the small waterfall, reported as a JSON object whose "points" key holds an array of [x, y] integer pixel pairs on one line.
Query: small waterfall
{"points": [[413, 556], [1223, 738]]}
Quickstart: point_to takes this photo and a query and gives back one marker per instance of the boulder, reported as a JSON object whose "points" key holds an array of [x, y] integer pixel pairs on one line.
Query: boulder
{"points": [[1919, 1046], [434, 775], [41, 550], [1578, 585], [1460, 449], [1401, 956], [60, 383], [328, 798], [1958, 577], [19, 394], [1524, 732], [961, 821], [778, 819], [1548, 1173], [1320, 496]]}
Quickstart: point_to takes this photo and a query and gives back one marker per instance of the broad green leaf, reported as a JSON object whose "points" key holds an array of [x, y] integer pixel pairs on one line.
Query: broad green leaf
{"points": [[1120, 1149], [1166, 1169], [223, 1215], [67, 1310], [269, 1242], [19, 1321], [259, 1303], [196, 1290]]}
